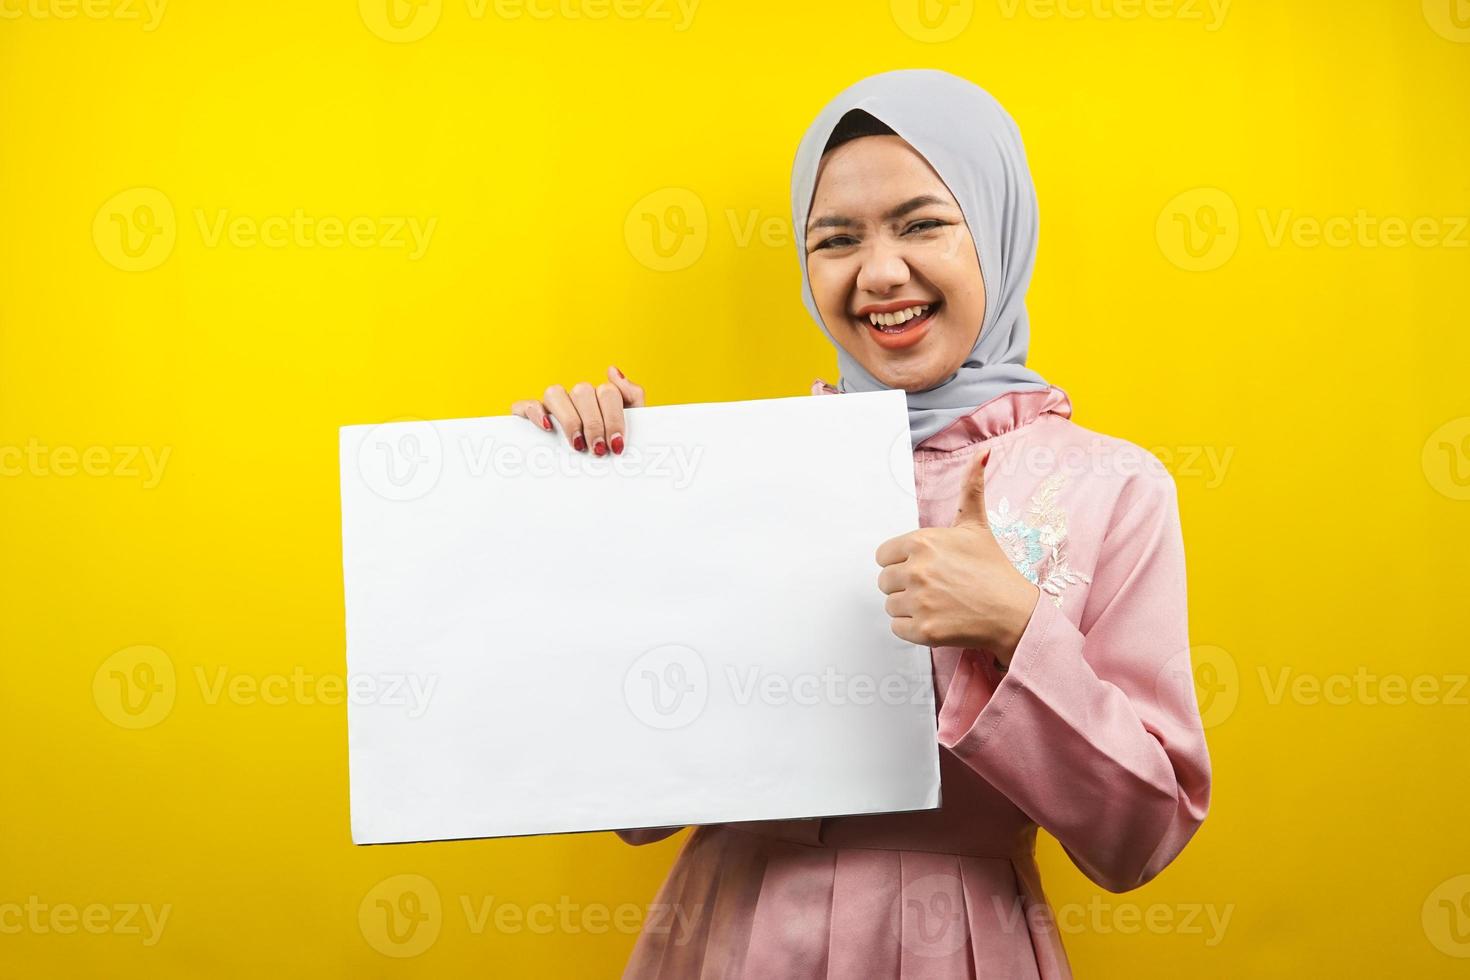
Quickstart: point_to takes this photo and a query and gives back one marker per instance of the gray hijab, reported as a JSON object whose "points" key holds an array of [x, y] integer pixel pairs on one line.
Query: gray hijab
{"points": [[975, 147]]}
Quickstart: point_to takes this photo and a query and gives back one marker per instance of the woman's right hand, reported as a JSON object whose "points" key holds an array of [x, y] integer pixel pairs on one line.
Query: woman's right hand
{"points": [[589, 417]]}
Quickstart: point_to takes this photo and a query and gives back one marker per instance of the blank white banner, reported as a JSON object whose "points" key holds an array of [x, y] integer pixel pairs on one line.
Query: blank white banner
{"points": [[543, 641]]}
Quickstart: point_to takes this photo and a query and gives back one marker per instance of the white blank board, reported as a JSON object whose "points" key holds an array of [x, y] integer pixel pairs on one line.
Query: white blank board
{"points": [[543, 641]]}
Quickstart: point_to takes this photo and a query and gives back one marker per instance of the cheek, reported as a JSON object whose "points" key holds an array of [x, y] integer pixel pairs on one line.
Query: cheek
{"points": [[958, 278], [828, 287], [957, 272]]}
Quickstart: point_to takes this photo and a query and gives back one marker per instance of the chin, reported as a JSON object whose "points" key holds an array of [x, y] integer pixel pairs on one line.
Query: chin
{"points": [[912, 370], [910, 378]]}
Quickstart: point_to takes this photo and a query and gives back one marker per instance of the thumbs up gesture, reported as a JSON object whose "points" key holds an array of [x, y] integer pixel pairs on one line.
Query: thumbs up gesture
{"points": [[953, 586]]}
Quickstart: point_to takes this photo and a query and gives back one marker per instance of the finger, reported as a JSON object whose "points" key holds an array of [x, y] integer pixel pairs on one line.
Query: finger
{"points": [[632, 394], [903, 628], [972, 495], [895, 550], [899, 605], [894, 578], [530, 408], [565, 413], [610, 400], [584, 396]]}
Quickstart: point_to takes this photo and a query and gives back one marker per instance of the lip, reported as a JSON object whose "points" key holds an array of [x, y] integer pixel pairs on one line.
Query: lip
{"points": [[912, 332], [894, 307]]}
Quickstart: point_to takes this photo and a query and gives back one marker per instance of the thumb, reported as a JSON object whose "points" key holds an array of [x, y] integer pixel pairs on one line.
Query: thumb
{"points": [[972, 495]]}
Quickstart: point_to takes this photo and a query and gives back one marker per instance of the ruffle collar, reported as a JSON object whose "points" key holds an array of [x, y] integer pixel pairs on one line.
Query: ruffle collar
{"points": [[1001, 414]]}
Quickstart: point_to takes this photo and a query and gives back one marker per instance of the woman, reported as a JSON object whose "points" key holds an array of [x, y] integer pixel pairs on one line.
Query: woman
{"points": [[1047, 577]]}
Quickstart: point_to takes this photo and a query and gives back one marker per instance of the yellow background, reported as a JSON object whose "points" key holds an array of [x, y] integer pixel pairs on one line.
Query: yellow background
{"points": [[1328, 380]]}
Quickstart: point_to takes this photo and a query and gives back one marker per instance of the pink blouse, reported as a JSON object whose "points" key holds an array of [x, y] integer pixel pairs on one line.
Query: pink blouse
{"points": [[1092, 733]]}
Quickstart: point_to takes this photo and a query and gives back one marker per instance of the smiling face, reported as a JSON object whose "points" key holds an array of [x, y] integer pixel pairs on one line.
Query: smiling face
{"points": [[892, 265]]}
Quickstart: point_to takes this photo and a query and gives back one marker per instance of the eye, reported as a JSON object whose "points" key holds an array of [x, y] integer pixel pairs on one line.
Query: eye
{"points": [[836, 241], [926, 224]]}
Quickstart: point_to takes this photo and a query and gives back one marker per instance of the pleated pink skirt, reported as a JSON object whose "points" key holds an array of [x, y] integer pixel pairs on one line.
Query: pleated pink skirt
{"points": [[740, 904]]}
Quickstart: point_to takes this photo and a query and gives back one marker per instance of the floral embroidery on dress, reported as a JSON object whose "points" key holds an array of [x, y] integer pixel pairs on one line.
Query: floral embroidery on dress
{"points": [[1036, 542]]}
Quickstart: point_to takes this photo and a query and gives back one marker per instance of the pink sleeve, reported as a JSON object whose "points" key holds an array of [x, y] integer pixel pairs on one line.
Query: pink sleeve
{"points": [[647, 835], [1092, 734]]}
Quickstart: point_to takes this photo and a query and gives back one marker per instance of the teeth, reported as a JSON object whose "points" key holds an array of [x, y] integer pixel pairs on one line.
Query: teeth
{"points": [[900, 317]]}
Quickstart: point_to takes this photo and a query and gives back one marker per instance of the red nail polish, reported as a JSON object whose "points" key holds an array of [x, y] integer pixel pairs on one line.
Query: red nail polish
{"points": [[617, 444], [546, 423], [579, 443], [619, 370], [599, 448]]}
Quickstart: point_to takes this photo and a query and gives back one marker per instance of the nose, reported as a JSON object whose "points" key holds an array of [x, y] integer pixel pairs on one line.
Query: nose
{"points": [[883, 269]]}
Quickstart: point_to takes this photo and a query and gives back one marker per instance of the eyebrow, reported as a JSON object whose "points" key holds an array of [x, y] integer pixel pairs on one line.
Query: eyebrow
{"points": [[912, 204]]}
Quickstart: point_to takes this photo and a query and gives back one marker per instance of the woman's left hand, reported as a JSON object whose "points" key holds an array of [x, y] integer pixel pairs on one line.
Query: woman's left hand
{"points": [[954, 586]]}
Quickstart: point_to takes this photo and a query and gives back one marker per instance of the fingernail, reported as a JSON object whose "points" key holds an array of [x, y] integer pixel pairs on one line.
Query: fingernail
{"points": [[579, 443], [619, 370], [546, 423], [617, 444], [599, 448]]}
